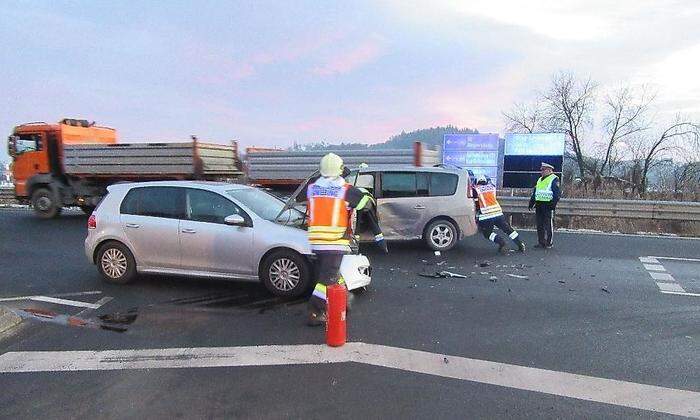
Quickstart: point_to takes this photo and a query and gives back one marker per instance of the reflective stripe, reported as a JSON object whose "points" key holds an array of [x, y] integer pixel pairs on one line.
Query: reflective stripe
{"points": [[493, 236], [513, 235], [362, 203], [379, 237], [490, 216], [331, 247], [341, 280], [320, 291]]}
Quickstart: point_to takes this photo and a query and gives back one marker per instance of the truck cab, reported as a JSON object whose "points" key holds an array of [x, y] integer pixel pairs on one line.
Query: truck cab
{"points": [[37, 149]]}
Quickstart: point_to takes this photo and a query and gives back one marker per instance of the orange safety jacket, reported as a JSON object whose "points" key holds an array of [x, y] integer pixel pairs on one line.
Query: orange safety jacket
{"points": [[329, 215], [488, 204]]}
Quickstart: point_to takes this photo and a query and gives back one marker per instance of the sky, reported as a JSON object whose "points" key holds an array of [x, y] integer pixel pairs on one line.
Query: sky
{"points": [[269, 73]]}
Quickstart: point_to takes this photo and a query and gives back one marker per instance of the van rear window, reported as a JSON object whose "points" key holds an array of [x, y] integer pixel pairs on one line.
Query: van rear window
{"points": [[443, 184]]}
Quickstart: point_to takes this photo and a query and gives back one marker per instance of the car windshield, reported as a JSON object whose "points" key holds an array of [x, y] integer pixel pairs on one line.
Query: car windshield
{"points": [[265, 205]]}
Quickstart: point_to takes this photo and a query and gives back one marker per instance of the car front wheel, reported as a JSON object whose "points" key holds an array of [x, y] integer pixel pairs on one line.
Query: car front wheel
{"points": [[285, 273]]}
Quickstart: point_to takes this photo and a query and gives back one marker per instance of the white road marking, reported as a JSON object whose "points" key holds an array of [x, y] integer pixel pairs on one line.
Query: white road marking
{"points": [[654, 267], [649, 260], [662, 277], [10, 299], [681, 293], [677, 259], [670, 287], [100, 303], [608, 391], [65, 302]]}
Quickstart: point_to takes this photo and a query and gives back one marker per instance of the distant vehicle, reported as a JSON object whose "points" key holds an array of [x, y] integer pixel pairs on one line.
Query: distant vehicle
{"points": [[205, 229], [428, 203], [71, 163]]}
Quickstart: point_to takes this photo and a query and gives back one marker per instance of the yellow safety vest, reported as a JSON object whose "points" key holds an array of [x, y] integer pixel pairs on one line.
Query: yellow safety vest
{"points": [[543, 189]]}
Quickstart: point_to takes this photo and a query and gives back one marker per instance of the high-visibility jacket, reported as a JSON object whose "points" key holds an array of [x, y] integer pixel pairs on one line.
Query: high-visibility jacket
{"points": [[543, 189], [329, 214], [488, 204]]}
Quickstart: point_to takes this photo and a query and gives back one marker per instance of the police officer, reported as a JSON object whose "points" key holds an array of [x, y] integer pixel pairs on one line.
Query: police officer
{"points": [[545, 197], [330, 204], [490, 215]]}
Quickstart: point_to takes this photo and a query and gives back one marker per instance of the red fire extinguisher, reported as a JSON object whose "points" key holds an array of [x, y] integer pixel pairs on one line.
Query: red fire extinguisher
{"points": [[336, 310]]}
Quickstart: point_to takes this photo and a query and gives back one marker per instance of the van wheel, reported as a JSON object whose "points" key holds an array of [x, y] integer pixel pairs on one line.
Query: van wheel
{"points": [[286, 274], [45, 204], [441, 235], [116, 263]]}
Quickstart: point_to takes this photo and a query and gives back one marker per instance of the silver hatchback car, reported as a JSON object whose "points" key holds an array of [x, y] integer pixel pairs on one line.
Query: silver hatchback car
{"points": [[199, 229], [429, 203]]}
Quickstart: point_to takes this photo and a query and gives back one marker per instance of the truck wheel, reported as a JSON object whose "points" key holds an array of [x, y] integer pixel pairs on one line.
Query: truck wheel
{"points": [[285, 273], [87, 209], [441, 235], [116, 263], [45, 204]]}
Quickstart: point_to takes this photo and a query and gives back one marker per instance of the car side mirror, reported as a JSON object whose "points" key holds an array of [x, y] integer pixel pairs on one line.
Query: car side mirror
{"points": [[235, 220]]}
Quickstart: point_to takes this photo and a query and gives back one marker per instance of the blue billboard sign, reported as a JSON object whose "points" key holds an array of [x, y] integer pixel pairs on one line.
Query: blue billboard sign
{"points": [[524, 153], [476, 152]]}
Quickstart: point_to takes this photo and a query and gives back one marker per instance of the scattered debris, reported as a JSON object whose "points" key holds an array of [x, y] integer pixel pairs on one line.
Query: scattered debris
{"points": [[562, 282], [493, 279], [442, 263], [485, 273], [444, 359], [605, 289], [592, 275], [442, 275], [517, 276], [437, 253], [509, 290], [572, 290], [485, 264]]}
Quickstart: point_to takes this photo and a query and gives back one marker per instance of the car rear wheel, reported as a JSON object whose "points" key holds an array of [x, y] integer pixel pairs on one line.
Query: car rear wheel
{"points": [[45, 204], [441, 235], [285, 273], [115, 263]]}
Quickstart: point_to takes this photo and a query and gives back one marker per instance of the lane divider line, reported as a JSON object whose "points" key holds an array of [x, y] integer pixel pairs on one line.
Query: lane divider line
{"points": [[66, 302], [13, 298], [564, 384], [664, 281]]}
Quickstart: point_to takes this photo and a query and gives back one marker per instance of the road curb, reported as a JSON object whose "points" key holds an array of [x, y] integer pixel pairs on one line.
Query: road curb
{"points": [[8, 319]]}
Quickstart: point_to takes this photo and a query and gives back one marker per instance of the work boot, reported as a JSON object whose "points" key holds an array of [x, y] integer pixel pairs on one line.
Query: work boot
{"points": [[502, 248], [316, 319], [521, 246]]}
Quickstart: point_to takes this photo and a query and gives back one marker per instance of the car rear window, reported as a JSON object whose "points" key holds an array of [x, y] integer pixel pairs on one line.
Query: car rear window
{"points": [[443, 184], [168, 202]]}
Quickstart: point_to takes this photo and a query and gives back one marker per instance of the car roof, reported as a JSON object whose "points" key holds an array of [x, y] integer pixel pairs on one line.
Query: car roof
{"points": [[404, 168], [204, 185]]}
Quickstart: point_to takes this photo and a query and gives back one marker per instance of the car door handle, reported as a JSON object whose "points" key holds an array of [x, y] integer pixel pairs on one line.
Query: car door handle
{"points": [[419, 207], [188, 231], [133, 225]]}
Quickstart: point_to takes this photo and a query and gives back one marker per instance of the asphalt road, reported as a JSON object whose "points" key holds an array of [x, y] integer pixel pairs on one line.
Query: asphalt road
{"points": [[589, 306]]}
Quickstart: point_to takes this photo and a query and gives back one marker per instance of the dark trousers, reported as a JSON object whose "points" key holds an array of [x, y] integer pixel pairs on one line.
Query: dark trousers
{"points": [[486, 227], [545, 224], [327, 273]]}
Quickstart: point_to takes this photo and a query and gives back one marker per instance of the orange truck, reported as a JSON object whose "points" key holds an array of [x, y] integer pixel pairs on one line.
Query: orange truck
{"points": [[71, 163]]}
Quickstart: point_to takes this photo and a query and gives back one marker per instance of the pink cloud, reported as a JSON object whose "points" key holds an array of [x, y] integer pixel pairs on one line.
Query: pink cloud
{"points": [[353, 58]]}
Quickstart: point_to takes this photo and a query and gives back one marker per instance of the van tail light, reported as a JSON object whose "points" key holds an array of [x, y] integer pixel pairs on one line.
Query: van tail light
{"points": [[92, 222]]}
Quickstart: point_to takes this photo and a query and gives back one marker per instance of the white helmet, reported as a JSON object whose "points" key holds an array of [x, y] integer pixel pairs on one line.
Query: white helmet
{"points": [[481, 180], [331, 166]]}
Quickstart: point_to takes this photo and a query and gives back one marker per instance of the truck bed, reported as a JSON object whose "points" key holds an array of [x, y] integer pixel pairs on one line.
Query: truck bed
{"points": [[190, 160]]}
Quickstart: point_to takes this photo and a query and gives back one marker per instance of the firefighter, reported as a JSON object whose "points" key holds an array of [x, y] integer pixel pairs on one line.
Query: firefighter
{"points": [[545, 197], [331, 201], [490, 215]]}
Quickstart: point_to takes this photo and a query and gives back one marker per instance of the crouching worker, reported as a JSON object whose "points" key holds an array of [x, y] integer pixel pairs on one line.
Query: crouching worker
{"points": [[490, 215], [331, 201]]}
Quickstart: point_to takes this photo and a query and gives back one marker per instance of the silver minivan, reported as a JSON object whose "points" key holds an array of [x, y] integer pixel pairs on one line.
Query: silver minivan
{"points": [[429, 203]]}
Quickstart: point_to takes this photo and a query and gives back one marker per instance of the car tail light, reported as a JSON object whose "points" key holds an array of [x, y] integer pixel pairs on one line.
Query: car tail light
{"points": [[92, 222]]}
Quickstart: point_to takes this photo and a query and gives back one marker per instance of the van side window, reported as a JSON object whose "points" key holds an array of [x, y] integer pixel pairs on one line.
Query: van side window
{"points": [[443, 184], [168, 202], [399, 184]]}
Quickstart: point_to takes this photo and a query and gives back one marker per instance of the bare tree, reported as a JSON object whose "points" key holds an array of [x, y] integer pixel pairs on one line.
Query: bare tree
{"points": [[679, 136], [568, 108], [624, 116], [524, 118]]}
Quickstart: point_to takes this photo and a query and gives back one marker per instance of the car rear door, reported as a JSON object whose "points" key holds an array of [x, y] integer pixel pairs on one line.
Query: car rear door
{"points": [[402, 204], [207, 243], [150, 218]]}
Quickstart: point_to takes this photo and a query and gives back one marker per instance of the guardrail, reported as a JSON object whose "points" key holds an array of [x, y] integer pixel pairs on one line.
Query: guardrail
{"points": [[7, 194], [630, 209]]}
